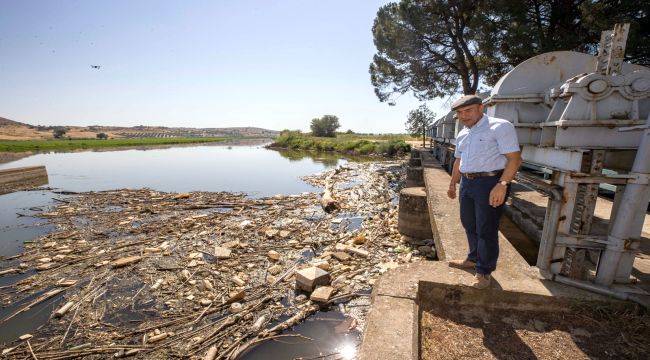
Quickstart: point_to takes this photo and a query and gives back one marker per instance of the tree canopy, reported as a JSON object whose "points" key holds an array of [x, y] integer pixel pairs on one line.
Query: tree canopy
{"points": [[419, 120], [518, 30], [59, 132], [435, 48], [325, 126], [427, 47]]}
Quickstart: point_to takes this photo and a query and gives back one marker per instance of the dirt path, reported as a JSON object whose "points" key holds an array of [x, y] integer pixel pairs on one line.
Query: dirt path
{"points": [[585, 333]]}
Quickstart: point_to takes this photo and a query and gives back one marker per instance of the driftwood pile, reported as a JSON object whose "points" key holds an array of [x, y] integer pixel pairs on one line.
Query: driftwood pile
{"points": [[199, 275]]}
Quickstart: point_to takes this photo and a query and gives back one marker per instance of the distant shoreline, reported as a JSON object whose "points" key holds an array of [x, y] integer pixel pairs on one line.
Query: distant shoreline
{"points": [[65, 144], [349, 144]]}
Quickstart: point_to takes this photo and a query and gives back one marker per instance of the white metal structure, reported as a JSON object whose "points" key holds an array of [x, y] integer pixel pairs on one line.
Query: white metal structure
{"points": [[575, 115]]}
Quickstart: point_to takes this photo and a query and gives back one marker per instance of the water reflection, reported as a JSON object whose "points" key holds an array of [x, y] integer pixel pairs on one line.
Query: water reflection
{"points": [[329, 159], [246, 168], [325, 335], [16, 222], [251, 168], [213, 167]]}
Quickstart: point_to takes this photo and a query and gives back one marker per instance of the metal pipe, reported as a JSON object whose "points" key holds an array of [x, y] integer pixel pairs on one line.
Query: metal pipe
{"points": [[551, 190], [591, 287], [600, 290], [551, 219], [634, 199], [549, 233]]}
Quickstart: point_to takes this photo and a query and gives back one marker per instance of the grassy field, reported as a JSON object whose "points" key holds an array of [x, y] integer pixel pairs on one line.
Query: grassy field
{"points": [[64, 144], [360, 144]]}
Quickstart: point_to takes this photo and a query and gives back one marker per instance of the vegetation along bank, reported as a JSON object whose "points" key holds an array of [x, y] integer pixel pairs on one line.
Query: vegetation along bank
{"points": [[71, 144], [384, 145]]}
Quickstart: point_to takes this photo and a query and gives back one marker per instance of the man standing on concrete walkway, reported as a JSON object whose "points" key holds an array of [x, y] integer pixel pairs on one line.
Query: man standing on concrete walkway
{"points": [[487, 159]]}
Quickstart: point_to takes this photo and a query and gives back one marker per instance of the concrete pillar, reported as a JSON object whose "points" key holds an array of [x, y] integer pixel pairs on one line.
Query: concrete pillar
{"points": [[414, 176], [415, 162], [413, 216]]}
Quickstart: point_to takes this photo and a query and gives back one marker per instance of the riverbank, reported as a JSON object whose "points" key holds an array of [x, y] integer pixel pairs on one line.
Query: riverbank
{"points": [[352, 144], [65, 144], [160, 275]]}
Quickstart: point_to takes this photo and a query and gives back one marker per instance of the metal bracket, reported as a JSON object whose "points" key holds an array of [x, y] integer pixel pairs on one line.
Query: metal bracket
{"points": [[620, 179], [615, 244], [581, 241], [639, 178], [634, 128]]}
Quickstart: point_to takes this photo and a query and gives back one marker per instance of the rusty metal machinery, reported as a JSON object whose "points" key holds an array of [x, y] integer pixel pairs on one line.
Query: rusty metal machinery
{"points": [[442, 134], [577, 115]]}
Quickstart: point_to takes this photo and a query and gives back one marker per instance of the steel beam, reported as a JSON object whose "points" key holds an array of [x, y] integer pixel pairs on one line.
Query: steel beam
{"points": [[626, 224], [557, 159]]}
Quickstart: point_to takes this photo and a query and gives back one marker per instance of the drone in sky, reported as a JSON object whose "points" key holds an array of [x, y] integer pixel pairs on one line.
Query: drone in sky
{"points": [[95, 66]]}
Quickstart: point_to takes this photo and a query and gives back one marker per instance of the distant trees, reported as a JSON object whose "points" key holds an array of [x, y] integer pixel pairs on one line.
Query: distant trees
{"points": [[325, 126], [59, 132], [102, 136], [418, 121]]}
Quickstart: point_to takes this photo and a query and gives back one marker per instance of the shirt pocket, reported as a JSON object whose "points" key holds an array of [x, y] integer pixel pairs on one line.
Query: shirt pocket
{"points": [[484, 145]]}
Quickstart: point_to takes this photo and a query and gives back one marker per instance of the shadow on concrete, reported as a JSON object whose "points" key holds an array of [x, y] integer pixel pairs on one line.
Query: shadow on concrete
{"points": [[481, 333], [525, 246], [494, 284]]}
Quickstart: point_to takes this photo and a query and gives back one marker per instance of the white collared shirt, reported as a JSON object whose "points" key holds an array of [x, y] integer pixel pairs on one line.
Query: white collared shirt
{"points": [[482, 147]]}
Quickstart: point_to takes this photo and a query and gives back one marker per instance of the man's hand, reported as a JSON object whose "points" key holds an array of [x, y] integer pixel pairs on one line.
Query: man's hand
{"points": [[452, 191], [498, 195]]}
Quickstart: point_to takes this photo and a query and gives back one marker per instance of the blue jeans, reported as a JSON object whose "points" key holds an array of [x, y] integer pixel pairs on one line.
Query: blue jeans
{"points": [[481, 221]]}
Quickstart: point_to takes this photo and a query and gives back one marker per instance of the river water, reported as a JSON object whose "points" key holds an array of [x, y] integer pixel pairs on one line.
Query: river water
{"points": [[248, 168]]}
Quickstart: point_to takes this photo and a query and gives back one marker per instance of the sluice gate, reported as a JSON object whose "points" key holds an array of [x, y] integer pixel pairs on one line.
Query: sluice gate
{"points": [[583, 121]]}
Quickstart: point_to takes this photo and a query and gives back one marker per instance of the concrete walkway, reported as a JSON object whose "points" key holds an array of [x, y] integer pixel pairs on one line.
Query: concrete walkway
{"points": [[392, 325], [513, 272]]}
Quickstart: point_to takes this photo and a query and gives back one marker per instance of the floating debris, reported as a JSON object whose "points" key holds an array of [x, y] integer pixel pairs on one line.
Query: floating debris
{"points": [[149, 274]]}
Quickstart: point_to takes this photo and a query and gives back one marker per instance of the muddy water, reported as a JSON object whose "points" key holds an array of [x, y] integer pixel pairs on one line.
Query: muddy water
{"points": [[251, 169], [324, 335]]}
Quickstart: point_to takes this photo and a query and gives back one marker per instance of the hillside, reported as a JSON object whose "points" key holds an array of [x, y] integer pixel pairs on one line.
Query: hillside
{"points": [[14, 130], [7, 122]]}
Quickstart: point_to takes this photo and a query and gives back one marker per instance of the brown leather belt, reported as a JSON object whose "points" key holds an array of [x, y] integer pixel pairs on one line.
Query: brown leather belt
{"points": [[475, 175]]}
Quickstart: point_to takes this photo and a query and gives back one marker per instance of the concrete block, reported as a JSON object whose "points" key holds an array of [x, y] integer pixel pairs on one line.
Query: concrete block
{"points": [[391, 331], [322, 294], [413, 218], [308, 279]]}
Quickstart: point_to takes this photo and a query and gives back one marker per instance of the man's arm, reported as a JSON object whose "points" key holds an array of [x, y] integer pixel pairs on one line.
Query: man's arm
{"points": [[455, 179], [498, 193], [513, 161]]}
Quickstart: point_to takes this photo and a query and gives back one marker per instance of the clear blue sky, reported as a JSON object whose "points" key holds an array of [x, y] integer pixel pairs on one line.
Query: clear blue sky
{"points": [[272, 64]]}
